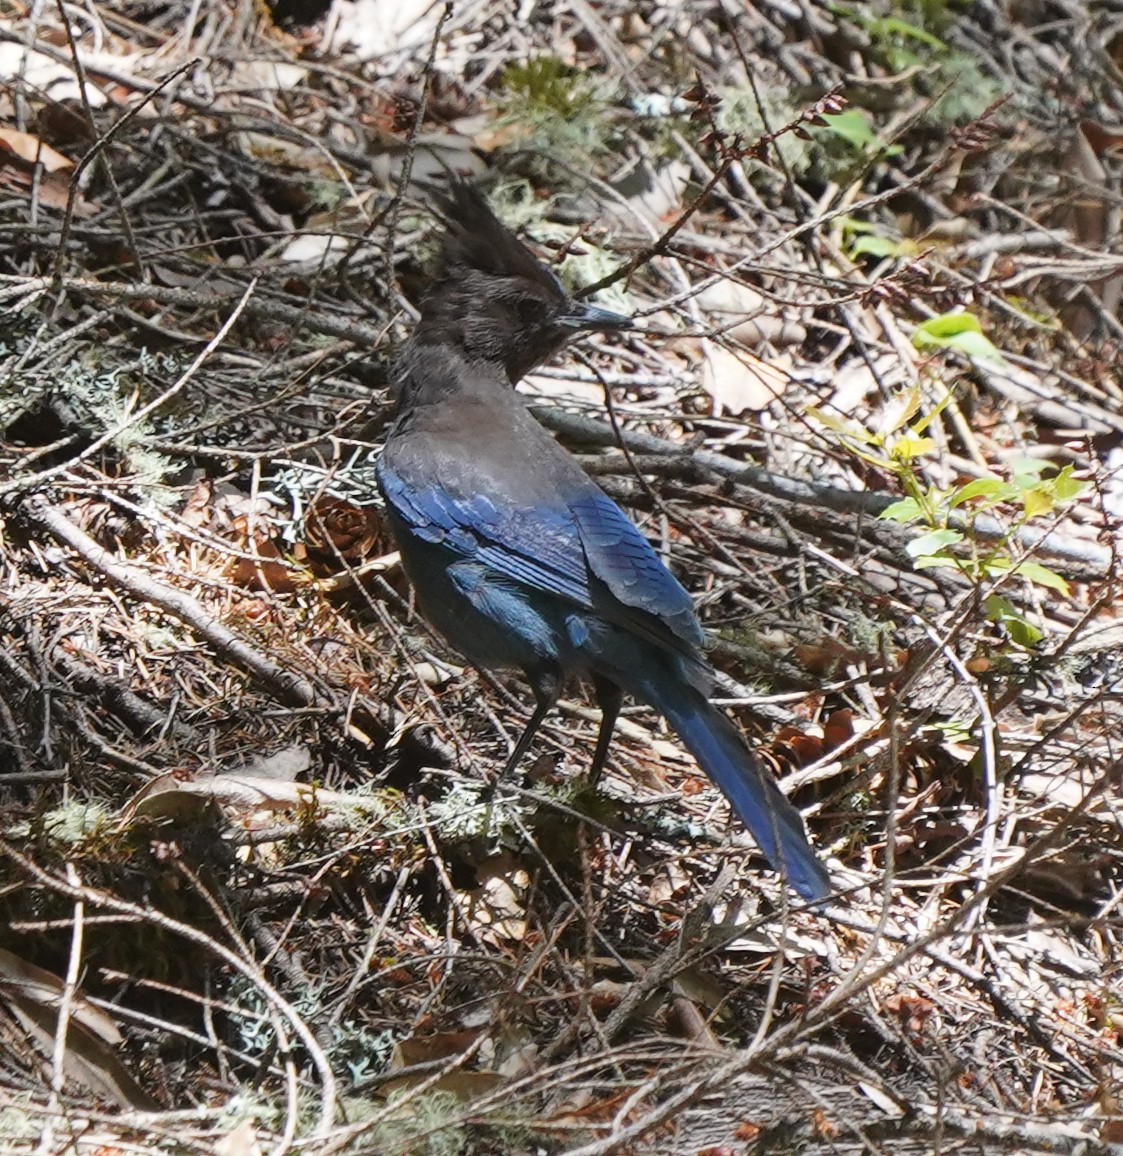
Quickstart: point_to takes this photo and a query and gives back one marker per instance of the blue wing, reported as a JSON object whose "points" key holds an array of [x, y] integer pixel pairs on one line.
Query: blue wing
{"points": [[560, 550], [539, 549], [622, 558]]}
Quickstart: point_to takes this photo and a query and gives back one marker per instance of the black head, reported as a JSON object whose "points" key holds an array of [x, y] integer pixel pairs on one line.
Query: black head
{"points": [[493, 298]]}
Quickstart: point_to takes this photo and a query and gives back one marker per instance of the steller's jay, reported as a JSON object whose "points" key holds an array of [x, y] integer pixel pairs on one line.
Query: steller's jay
{"points": [[516, 556]]}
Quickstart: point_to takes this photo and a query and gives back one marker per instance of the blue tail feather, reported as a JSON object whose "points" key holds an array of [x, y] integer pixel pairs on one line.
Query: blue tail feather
{"points": [[721, 752]]}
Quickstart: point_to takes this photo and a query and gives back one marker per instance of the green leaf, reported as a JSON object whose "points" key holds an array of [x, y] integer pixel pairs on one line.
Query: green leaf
{"points": [[901, 409], [995, 566], [1036, 502], [1007, 615], [1066, 487], [1023, 632], [1025, 472], [960, 332], [842, 426], [926, 419], [907, 448], [904, 511], [956, 729], [950, 325], [857, 225], [854, 128], [931, 561], [894, 25], [934, 542], [871, 246], [991, 488], [1042, 576]]}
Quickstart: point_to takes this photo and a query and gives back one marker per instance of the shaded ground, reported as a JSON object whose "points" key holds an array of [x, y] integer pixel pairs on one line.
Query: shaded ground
{"points": [[244, 830]]}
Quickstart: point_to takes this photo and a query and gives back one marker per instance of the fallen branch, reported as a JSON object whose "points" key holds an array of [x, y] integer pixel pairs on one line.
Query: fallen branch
{"points": [[289, 687]]}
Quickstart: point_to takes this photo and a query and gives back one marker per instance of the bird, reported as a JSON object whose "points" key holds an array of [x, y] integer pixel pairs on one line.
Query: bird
{"points": [[515, 555]]}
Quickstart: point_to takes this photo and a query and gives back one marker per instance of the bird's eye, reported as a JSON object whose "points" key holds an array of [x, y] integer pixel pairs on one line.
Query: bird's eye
{"points": [[529, 310]]}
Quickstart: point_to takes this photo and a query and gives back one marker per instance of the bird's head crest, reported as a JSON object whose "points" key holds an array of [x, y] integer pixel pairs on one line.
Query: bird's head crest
{"points": [[492, 298], [475, 239]]}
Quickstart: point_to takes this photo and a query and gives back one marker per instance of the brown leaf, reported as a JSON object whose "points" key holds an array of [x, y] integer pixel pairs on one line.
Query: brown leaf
{"points": [[64, 122], [265, 572], [45, 987], [825, 657], [739, 382], [797, 748], [432, 1049], [685, 1020], [242, 1141], [838, 729], [22, 146], [495, 908], [1089, 216], [911, 1009], [33, 996]]}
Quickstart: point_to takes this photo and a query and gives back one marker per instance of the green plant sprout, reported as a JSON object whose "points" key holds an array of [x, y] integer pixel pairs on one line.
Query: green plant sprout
{"points": [[946, 517], [853, 126], [864, 239], [958, 331], [911, 40]]}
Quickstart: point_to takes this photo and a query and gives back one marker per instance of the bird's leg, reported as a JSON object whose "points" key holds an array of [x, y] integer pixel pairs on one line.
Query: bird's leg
{"points": [[609, 698], [546, 685]]}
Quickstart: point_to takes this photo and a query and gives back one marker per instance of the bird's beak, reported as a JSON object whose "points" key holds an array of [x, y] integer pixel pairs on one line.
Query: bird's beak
{"points": [[582, 316]]}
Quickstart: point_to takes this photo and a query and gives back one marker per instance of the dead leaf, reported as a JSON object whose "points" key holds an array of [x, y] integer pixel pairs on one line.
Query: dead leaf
{"points": [[838, 729], [747, 316], [495, 908], [33, 996], [64, 123], [700, 987], [44, 75], [730, 300], [282, 766], [19, 153], [31, 150], [882, 1099], [911, 1009], [268, 75], [241, 1141], [739, 382], [267, 571], [173, 798], [46, 988], [661, 189], [796, 748], [432, 1049], [825, 657], [1089, 217]]}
